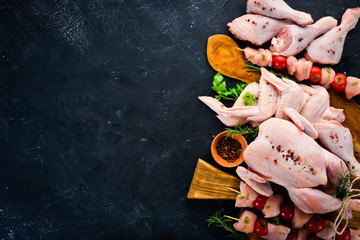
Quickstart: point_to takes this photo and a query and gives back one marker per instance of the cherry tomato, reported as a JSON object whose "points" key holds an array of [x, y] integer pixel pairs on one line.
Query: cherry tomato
{"points": [[339, 82], [315, 224], [315, 74], [278, 62], [259, 202], [286, 212], [261, 227], [312, 237], [346, 234], [292, 234]]}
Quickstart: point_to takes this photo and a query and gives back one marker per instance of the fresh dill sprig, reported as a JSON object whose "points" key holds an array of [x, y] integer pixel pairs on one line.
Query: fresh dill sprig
{"points": [[225, 223], [343, 183], [248, 132], [253, 68]]}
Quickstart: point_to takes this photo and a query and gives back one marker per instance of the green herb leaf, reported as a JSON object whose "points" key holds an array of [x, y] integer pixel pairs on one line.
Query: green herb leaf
{"points": [[354, 83], [263, 57], [219, 86], [253, 68], [343, 183], [225, 223], [249, 99], [248, 132]]}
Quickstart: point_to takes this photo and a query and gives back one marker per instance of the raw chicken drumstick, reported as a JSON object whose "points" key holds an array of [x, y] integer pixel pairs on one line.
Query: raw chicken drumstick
{"points": [[293, 39], [278, 9], [256, 29], [328, 48]]}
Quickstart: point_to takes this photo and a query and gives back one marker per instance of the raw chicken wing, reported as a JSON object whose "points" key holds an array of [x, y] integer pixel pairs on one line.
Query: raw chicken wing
{"points": [[293, 39], [316, 105], [278, 9], [328, 48], [256, 29]]}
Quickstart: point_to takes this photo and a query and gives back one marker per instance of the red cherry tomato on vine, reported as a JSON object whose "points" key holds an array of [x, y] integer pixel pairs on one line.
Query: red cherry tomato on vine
{"points": [[261, 227], [339, 82], [345, 236], [259, 202], [286, 212], [315, 224], [315, 74], [278, 62], [292, 234]]}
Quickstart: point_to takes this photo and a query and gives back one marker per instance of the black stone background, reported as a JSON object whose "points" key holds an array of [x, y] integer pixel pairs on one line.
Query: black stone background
{"points": [[100, 125]]}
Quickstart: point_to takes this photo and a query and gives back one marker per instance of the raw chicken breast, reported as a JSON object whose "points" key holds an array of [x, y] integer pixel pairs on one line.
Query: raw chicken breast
{"points": [[293, 39], [276, 232], [291, 64], [246, 222], [278, 9], [272, 206], [327, 232], [261, 57], [355, 234], [302, 234], [246, 197], [328, 48], [327, 77], [256, 29], [352, 87], [300, 218], [303, 68]]}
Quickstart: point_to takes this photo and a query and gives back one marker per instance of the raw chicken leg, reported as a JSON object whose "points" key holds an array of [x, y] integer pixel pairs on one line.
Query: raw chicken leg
{"points": [[338, 140], [278, 9], [256, 29], [328, 48], [292, 39]]}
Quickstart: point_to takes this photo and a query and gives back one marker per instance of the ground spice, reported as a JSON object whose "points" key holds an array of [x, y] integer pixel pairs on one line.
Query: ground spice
{"points": [[228, 148]]}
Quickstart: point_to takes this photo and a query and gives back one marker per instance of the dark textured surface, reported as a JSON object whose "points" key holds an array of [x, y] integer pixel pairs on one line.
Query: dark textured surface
{"points": [[100, 126]]}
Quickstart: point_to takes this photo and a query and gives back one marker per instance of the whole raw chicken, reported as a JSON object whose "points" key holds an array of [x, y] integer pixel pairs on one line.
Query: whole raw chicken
{"points": [[285, 155]]}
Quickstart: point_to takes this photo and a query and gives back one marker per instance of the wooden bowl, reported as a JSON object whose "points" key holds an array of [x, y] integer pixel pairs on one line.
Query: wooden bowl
{"points": [[223, 162]]}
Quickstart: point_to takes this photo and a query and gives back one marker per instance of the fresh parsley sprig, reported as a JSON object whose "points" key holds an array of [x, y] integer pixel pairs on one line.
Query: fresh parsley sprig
{"points": [[249, 99], [225, 223], [219, 86]]}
